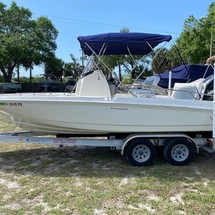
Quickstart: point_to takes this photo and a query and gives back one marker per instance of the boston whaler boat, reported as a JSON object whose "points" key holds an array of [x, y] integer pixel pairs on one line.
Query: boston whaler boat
{"points": [[139, 122]]}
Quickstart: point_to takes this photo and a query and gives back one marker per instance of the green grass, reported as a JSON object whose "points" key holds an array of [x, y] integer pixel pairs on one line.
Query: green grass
{"points": [[40, 179]]}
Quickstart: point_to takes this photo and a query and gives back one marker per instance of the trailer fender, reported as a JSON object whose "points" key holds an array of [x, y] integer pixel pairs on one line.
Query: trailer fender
{"points": [[128, 139], [161, 136], [195, 145]]}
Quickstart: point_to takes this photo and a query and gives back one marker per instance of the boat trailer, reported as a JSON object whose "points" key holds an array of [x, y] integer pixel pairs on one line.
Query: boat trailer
{"points": [[139, 149]]}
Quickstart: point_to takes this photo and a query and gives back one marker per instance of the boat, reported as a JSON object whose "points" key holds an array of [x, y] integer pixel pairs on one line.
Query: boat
{"points": [[95, 108], [159, 83]]}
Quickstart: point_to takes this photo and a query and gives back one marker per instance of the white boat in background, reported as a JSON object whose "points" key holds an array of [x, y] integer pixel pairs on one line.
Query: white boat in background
{"points": [[159, 84], [95, 108]]}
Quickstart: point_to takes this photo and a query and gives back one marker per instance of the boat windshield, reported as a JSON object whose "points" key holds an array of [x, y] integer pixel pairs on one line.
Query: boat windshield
{"points": [[209, 86], [151, 80], [90, 67], [208, 79]]}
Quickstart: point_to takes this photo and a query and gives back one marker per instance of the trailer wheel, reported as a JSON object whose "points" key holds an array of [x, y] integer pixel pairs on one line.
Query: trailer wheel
{"points": [[179, 152], [140, 152]]}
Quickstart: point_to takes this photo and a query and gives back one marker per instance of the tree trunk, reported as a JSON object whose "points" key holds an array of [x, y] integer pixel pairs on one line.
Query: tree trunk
{"points": [[18, 73], [7, 74], [30, 74]]}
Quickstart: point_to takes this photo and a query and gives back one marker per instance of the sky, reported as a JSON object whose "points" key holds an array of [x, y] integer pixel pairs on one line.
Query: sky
{"points": [[73, 18]]}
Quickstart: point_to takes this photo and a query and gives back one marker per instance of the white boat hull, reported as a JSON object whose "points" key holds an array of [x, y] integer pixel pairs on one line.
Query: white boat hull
{"points": [[69, 114]]}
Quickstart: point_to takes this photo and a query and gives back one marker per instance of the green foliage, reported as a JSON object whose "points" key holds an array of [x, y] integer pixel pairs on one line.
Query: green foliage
{"points": [[73, 69], [23, 41], [132, 65], [135, 65], [160, 60], [195, 40], [127, 80], [26, 80], [54, 67], [164, 59]]}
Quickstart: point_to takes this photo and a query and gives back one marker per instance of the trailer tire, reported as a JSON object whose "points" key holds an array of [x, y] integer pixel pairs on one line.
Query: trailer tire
{"points": [[179, 152], [140, 152]]}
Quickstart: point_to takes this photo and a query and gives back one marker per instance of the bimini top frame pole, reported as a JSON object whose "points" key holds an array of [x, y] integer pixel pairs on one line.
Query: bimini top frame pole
{"points": [[103, 48]]}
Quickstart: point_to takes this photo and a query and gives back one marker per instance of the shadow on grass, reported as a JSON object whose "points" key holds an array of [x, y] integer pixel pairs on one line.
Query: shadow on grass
{"points": [[95, 162]]}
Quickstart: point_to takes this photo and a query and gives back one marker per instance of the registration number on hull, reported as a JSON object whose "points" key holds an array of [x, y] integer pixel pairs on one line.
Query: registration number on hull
{"points": [[15, 104]]}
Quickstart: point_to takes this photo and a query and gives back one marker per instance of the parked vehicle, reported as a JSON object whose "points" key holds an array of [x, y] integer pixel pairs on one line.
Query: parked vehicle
{"points": [[69, 85], [10, 88], [48, 86]]}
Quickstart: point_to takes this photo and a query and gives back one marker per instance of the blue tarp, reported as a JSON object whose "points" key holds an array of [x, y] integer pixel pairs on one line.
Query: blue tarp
{"points": [[185, 73], [121, 43]]}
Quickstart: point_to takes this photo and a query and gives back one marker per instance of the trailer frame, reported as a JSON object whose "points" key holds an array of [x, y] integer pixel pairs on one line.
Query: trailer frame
{"points": [[138, 148]]}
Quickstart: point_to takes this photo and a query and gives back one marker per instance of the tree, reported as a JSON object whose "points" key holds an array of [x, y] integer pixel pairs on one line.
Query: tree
{"points": [[73, 69], [164, 59], [14, 25], [196, 38], [23, 41], [54, 68], [160, 61], [41, 43], [137, 66]]}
